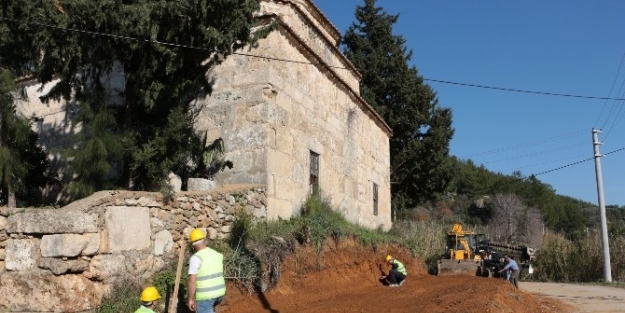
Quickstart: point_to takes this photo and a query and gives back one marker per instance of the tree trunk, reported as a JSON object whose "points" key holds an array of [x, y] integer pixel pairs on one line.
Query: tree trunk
{"points": [[11, 196]]}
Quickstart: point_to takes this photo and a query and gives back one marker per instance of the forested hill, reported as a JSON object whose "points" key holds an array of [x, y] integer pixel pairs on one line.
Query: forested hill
{"points": [[479, 196]]}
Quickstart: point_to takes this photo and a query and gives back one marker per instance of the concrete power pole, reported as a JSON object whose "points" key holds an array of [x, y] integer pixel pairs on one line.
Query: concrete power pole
{"points": [[607, 270]]}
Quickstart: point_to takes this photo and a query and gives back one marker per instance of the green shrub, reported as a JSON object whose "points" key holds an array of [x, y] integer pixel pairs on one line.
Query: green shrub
{"points": [[124, 297], [564, 260]]}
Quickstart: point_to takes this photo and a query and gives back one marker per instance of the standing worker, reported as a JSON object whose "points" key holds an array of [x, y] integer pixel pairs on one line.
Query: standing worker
{"points": [[512, 265], [207, 285], [397, 274], [149, 300]]}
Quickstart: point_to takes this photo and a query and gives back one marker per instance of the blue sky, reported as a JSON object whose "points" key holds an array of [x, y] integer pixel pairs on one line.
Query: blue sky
{"points": [[563, 46]]}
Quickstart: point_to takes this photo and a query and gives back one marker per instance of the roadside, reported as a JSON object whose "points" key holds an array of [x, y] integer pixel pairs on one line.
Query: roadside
{"points": [[582, 298]]}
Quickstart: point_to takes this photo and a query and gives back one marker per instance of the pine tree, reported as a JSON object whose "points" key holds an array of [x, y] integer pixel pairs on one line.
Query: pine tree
{"points": [[23, 164], [145, 126], [419, 148]]}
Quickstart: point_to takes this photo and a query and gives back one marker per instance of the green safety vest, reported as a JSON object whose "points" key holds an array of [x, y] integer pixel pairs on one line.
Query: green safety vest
{"points": [[143, 309], [401, 268], [210, 278]]}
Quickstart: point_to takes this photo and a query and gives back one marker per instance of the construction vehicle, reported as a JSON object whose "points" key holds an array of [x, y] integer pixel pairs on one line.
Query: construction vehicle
{"points": [[468, 253], [492, 260], [460, 257]]}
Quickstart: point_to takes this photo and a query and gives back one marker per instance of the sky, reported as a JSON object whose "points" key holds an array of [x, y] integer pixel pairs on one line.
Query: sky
{"points": [[569, 47]]}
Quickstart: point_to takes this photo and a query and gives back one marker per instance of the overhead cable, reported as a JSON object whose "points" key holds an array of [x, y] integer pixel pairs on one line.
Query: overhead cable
{"points": [[94, 33], [528, 144]]}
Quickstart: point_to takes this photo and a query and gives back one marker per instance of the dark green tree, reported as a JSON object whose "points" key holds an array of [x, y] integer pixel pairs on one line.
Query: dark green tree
{"points": [[23, 164], [419, 148], [131, 69]]}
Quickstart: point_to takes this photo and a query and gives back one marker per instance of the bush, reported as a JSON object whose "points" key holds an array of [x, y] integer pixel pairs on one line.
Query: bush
{"points": [[124, 297], [564, 260]]}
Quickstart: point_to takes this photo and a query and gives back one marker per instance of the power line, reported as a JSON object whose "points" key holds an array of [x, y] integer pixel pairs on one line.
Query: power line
{"points": [[543, 163], [536, 153], [618, 72], [575, 163], [165, 43], [521, 90], [94, 33], [528, 144]]}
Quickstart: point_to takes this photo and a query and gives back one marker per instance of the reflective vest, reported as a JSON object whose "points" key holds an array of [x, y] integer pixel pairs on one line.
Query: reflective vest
{"points": [[400, 267], [143, 309], [210, 278]]}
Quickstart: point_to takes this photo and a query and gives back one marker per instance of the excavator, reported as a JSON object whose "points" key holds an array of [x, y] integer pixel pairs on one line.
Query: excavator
{"points": [[468, 253]]}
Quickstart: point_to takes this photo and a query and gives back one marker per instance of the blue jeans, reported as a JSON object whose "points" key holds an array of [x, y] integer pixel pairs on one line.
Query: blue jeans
{"points": [[208, 306]]}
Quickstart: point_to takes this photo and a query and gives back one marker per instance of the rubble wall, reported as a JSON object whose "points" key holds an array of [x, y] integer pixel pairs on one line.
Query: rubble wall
{"points": [[66, 260]]}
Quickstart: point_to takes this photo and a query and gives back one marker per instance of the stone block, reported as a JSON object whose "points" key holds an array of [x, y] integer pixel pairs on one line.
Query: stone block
{"points": [[59, 266], [22, 254], [50, 221], [128, 228], [212, 233], [69, 245], [175, 182], [260, 213], [3, 254], [150, 203], [45, 292], [107, 267], [163, 242], [3, 223], [200, 184]]}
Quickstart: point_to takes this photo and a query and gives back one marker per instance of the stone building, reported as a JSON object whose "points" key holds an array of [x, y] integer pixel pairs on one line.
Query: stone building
{"points": [[291, 117]]}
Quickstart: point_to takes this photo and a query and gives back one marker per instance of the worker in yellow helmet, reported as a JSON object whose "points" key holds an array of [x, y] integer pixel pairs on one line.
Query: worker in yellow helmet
{"points": [[149, 300], [397, 274], [207, 286]]}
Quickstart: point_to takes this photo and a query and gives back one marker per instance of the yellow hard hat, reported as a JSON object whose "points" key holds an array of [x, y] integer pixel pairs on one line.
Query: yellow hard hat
{"points": [[388, 258], [150, 294], [196, 234]]}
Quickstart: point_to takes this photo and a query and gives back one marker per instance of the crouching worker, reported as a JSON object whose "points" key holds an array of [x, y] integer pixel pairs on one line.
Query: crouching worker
{"points": [[513, 276], [397, 274], [149, 300]]}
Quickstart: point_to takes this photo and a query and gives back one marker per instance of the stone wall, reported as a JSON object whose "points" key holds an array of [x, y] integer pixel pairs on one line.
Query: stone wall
{"points": [[65, 260]]}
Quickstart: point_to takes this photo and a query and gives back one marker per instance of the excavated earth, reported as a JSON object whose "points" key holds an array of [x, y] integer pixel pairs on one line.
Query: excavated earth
{"points": [[346, 279]]}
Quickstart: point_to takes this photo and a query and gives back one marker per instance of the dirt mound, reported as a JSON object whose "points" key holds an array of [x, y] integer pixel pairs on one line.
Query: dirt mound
{"points": [[346, 280]]}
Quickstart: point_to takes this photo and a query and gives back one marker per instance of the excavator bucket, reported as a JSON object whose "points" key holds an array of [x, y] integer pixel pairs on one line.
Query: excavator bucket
{"points": [[448, 267]]}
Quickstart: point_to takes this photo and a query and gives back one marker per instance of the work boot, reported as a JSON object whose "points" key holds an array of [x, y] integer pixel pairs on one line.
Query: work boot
{"points": [[402, 282]]}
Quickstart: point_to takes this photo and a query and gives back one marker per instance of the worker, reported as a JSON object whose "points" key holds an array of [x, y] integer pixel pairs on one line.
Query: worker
{"points": [[397, 274], [513, 277], [149, 300], [207, 286]]}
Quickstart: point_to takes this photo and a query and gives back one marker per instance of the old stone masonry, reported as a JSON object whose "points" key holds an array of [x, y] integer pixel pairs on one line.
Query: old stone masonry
{"points": [[65, 260]]}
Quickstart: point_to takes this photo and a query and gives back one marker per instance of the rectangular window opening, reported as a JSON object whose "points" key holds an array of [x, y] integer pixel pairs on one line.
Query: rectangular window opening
{"points": [[314, 173], [375, 199]]}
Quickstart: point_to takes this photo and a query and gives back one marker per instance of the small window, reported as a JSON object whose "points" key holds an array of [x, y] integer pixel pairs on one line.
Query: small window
{"points": [[314, 173], [375, 199]]}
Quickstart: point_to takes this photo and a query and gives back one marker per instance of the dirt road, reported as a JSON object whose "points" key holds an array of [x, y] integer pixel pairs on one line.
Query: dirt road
{"points": [[583, 298]]}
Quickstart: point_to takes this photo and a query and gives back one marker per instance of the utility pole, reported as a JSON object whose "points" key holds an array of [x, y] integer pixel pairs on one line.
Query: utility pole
{"points": [[607, 270]]}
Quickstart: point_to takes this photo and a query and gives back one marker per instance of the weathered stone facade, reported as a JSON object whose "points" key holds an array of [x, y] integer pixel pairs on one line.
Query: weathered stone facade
{"points": [[272, 114], [292, 97], [65, 260]]}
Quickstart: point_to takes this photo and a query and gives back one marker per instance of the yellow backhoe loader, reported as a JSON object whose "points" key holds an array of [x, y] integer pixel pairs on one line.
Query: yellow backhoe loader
{"points": [[468, 253], [460, 257]]}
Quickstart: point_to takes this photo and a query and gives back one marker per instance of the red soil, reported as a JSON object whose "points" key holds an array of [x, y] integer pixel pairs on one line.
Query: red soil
{"points": [[347, 281]]}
